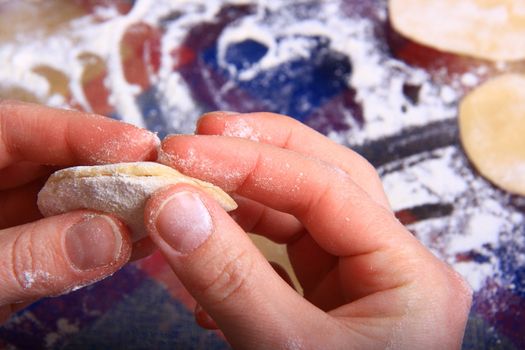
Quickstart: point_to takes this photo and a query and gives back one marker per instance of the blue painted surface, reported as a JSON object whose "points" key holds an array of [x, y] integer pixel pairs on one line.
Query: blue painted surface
{"points": [[126, 311], [295, 88]]}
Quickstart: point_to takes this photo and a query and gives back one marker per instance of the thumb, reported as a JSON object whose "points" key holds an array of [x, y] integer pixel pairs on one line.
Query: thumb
{"points": [[224, 271], [60, 253]]}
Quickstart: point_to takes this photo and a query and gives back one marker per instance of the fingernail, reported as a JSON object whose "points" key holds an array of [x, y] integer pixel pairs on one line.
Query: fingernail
{"points": [[184, 222], [93, 243]]}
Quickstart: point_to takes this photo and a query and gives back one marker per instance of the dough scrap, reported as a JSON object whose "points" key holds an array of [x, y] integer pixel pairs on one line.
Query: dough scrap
{"points": [[486, 29], [121, 189], [492, 130]]}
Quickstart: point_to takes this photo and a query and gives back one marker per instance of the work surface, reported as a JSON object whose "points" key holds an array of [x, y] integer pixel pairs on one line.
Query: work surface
{"points": [[334, 65]]}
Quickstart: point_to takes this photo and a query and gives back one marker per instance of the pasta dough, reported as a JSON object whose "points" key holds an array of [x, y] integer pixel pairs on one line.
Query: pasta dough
{"points": [[487, 29], [492, 129], [121, 189]]}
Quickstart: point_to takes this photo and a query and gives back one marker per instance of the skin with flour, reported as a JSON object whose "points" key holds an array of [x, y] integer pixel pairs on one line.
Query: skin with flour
{"points": [[50, 256]]}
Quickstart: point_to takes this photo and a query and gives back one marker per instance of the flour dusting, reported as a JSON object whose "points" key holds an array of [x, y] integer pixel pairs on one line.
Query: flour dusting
{"points": [[32, 277], [467, 222]]}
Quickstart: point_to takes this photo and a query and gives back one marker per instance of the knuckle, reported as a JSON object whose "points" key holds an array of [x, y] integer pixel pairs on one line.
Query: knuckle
{"points": [[21, 268], [229, 281], [318, 198], [24, 273]]}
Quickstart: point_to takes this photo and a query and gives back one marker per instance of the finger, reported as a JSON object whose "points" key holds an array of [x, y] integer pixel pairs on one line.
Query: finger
{"points": [[18, 205], [255, 217], [302, 250], [22, 173], [203, 319], [62, 137], [224, 271], [329, 293], [282, 273], [310, 262], [54, 255], [288, 133], [142, 249], [341, 217]]}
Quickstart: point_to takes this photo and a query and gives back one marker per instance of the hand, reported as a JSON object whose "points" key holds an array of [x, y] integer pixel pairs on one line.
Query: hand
{"points": [[44, 257], [368, 283]]}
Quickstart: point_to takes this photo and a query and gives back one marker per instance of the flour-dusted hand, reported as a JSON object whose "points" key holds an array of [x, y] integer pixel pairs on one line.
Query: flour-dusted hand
{"points": [[43, 257], [368, 283]]}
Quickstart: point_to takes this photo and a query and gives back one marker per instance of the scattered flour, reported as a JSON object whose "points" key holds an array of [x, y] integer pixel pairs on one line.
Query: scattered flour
{"points": [[241, 129], [481, 222], [32, 277]]}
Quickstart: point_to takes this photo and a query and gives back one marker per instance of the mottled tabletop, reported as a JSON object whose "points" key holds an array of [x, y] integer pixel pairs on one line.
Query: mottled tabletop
{"points": [[337, 66]]}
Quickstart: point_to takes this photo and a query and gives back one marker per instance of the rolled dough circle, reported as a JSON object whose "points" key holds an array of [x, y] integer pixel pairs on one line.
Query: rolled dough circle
{"points": [[492, 130], [486, 29], [120, 189]]}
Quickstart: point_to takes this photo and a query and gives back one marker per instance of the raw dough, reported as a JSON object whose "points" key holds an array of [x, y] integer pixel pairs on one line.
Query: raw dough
{"points": [[492, 129], [487, 29], [121, 189]]}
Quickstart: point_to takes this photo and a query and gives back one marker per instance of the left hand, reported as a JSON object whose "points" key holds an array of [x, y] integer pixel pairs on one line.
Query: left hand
{"points": [[44, 257]]}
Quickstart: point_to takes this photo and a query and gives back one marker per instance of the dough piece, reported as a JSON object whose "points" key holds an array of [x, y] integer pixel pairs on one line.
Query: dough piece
{"points": [[121, 189], [492, 129], [486, 29]]}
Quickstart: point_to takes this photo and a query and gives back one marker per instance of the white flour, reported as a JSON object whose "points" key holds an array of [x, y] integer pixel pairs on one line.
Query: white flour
{"points": [[480, 222], [32, 277]]}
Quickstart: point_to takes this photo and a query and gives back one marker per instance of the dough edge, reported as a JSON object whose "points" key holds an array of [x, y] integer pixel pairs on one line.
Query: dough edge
{"points": [[505, 46], [508, 177], [62, 192]]}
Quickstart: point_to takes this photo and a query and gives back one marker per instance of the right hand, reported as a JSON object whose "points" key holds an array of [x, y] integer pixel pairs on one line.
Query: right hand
{"points": [[368, 283]]}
